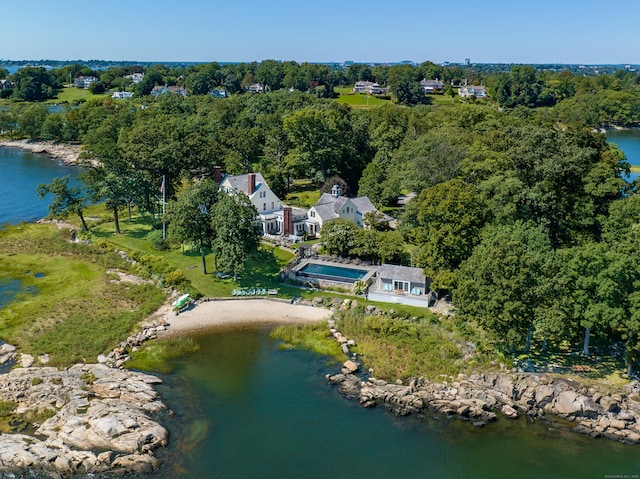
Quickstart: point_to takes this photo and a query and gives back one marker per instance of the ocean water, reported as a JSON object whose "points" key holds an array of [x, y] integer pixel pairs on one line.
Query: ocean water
{"points": [[629, 142], [244, 408], [20, 174]]}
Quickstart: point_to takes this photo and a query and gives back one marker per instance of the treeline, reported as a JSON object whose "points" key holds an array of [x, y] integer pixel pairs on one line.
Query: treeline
{"points": [[526, 220]]}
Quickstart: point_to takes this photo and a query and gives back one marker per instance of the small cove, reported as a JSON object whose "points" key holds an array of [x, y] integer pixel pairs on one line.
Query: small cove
{"points": [[247, 409]]}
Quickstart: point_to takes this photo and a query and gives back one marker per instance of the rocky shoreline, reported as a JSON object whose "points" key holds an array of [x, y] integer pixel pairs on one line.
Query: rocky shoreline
{"points": [[67, 153], [482, 398], [94, 419]]}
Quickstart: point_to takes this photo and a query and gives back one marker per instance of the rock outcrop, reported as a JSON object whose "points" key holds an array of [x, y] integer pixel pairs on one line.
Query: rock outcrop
{"points": [[479, 397], [94, 419]]}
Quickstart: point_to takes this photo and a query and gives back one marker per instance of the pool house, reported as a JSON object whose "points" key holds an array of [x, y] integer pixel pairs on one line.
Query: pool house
{"points": [[402, 285]]}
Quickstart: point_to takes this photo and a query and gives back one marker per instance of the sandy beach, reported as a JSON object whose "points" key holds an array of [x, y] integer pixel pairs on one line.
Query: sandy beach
{"points": [[212, 314]]}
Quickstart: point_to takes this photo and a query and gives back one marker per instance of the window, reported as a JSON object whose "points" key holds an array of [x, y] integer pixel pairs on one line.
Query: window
{"points": [[264, 207], [313, 214], [272, 205], [401, 285]]}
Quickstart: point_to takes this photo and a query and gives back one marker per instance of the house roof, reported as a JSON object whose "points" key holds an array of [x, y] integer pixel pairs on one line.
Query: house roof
{"points": [[364, 205], [241, 182], [406, 273], [328, 206]]}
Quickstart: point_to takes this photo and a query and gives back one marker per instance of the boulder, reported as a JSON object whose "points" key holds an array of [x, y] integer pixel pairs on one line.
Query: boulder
{"points": [[351, 366], [543, 395], [509, 411], [565, 403], [609, 404]]}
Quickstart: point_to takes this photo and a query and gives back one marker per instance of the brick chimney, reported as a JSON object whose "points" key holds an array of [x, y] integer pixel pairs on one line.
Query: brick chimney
{"points": [[288, 221], [217, 174], [251, 180]]}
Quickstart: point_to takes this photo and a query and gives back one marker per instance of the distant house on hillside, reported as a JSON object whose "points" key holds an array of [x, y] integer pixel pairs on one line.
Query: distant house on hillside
{"points": [[333, 206], [6, 84], [430, 86], [473, 90], [218, 93], [121, 95], [369, 87], [255, 88], [84, 81], [135, 77]]}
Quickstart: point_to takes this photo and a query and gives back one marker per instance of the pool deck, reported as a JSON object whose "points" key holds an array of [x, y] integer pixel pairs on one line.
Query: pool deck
{"points": [[340, 263]]}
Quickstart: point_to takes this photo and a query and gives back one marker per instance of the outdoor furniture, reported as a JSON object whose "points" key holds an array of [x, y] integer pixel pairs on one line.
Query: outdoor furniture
{"points": [[273, 292]]}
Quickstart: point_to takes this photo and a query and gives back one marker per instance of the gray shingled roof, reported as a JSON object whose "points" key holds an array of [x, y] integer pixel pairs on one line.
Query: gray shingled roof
{"points": [[328, 206], [241, 182], [404, 273]]}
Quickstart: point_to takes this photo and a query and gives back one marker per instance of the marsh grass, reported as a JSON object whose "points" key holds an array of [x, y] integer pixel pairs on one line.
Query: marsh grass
{"points": [[397, 347], [312, 337], [160, 355], [78, 311]]}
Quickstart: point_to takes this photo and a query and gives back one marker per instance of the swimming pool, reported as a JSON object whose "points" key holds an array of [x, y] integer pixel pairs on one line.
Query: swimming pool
{"points": [[331, 272]]}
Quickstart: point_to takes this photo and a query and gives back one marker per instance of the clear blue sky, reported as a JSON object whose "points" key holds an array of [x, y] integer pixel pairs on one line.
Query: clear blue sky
{"points": [[491, 31]]}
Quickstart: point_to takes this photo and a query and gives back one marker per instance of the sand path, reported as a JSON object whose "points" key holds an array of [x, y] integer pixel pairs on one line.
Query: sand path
{"points": [[233, 312]]}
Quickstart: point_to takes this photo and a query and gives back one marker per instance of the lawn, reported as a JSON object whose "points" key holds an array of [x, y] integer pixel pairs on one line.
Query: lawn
{"points": [[358, 100], [73, 95], [303, 193]]}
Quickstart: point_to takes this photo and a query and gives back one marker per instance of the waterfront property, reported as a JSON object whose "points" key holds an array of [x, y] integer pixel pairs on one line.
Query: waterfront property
{"points": [[401, 285], [291, 223], [328, 273], [333, 206]]}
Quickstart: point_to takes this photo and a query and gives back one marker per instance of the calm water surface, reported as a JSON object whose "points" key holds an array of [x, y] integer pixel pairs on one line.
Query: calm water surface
{"points": [[20, 174], [246, 409]]}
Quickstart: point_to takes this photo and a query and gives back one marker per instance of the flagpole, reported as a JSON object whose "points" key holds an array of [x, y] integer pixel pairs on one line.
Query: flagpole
{"points": [[164, 202]]}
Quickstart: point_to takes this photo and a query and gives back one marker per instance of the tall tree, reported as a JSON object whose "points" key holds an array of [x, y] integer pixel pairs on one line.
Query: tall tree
{"points": [[190, 215], [66, 199], [235, 232], [506, 296]]}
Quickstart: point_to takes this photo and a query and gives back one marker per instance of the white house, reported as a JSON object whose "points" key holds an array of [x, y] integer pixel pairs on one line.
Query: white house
{"points": [[473, 90], [369, 87], [135, 77], [256, 88], [333, 206], [84, 81], [159, 90], [256, 188], [402, 285], [121, 95]]}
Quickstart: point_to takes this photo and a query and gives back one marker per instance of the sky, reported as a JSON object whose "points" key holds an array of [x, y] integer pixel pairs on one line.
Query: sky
{"points": [[489, 31]]}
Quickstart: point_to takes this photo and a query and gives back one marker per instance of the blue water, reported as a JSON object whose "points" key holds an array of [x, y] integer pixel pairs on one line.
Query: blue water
{"points": [[22, 172], [629, 142], [342, 272], [8, 290]]}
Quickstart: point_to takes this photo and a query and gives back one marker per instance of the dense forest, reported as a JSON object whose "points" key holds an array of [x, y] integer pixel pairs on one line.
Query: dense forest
{"points": [[522, 213]]}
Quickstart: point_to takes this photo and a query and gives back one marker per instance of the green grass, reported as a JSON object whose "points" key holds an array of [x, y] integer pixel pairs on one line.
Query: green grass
{"points": [[312, 337], [159, 355], [75, 311], [74, 95], [399, 346], [303, 194], [358, 100]]}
